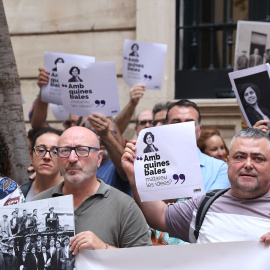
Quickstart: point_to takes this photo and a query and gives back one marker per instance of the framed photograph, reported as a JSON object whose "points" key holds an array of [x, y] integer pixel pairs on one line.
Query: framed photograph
{"points": [[252, 90], [252, 44], [36, 235]]}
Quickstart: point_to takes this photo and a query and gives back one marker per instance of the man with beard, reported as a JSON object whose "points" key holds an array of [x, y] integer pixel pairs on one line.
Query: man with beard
{"points": [[110, 170], [79, 156]]}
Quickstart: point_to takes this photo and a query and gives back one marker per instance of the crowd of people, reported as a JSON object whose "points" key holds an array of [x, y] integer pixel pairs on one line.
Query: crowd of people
{"points": [[38, 252], [91, 160]]}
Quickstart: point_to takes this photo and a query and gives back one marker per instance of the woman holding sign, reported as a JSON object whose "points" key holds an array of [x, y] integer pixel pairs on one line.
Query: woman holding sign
{"points": [[250, 96], [149, 139]]}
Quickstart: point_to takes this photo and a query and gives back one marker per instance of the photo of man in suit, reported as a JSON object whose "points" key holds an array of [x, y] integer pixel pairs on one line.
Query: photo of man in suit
{"points": [[67, 258], [52, 220], [5, 227], [27, 246], [28, 223], [11, 261], [255, 59], [14, 223], [56, 258]]}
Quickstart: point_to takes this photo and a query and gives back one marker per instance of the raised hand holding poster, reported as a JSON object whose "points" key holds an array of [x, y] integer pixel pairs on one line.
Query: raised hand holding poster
{"points": [[89, 87], [51, 92], [167, 164]]}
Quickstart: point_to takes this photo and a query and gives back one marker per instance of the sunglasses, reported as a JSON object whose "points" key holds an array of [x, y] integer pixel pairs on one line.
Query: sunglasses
{"points": [[144, 122], [162, 121]]}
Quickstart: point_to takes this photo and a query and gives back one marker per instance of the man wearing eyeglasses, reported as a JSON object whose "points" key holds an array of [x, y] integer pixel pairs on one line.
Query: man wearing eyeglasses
{"points": [[159, 114], [105, 217], [143, 120]]}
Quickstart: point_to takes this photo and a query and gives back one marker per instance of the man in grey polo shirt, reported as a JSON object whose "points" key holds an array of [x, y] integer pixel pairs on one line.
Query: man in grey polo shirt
{"points": [[240, 214], [104, 217]]}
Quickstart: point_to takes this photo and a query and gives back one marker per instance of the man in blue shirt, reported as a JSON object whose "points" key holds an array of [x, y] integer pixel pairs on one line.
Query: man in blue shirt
{"points": [[112, 145], [214, 171]]}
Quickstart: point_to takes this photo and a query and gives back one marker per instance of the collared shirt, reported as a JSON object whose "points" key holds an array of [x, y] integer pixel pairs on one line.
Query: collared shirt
{"points": [[45, 256], [67, 251], [108, 173], [214, 172], [125, 228]]}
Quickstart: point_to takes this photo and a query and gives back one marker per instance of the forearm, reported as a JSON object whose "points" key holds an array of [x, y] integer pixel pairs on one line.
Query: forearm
{"points": [[122, 120], [115, 151], [154, 212], [40, 113]]}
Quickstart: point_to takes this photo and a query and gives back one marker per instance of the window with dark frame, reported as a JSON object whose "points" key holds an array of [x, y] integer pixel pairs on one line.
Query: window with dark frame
{"points": [[205, 39]]}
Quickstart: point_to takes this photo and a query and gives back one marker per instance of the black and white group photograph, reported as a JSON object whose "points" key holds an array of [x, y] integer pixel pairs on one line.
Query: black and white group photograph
{"points": [[252, 45], [36, 235]]}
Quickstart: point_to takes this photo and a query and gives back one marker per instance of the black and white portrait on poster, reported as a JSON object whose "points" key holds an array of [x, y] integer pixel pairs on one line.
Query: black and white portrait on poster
{"points": [[252, 89], [36, 235], [149, 139], [252, 44]]}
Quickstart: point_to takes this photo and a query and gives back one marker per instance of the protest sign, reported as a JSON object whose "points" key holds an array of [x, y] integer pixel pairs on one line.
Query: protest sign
{"points": [[92, 88], [59, 112], [167, 164], [51, 92], [143, 62], [252, 90], [248, 255]]}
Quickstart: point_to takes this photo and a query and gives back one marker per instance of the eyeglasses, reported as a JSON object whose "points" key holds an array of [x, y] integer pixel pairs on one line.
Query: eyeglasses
{"points": [[81, 151], [144, 122], [41, 151], [162, 121]]}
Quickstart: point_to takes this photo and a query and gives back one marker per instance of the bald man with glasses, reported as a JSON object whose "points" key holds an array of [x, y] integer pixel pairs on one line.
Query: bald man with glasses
{"points": [[79, 156]]}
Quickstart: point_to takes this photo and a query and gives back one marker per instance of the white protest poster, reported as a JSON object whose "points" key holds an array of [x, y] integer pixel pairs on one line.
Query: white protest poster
{"points": [[59, 112], [252, 90], [144, 62], [89, 87], [51, 92], [167, 164], [249, 255], [31, 226]]}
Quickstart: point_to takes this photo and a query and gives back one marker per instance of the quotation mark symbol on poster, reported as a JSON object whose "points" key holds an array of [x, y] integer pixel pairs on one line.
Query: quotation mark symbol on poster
{"points": [[180, 177], [139, 157], [98, 102], [147, 77], [64, 85]]}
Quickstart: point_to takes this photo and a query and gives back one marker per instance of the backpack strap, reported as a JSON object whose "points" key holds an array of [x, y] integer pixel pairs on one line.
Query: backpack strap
{"points": [[205, 203]]}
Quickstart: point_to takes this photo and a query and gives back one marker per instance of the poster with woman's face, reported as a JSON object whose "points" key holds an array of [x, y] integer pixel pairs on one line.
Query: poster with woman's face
{"points": [[252, 90]]}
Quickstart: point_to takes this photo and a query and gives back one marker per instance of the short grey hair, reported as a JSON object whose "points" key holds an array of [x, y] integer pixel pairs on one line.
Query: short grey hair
{"points": [[250, 133]]}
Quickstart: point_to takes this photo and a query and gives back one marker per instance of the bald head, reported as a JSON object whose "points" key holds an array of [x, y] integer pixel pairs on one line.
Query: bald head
{"points": [[76, 133]]}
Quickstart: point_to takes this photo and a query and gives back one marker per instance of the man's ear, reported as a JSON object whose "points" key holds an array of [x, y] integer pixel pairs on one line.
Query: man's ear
{"points": [[200, 130], [100, 155]]}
